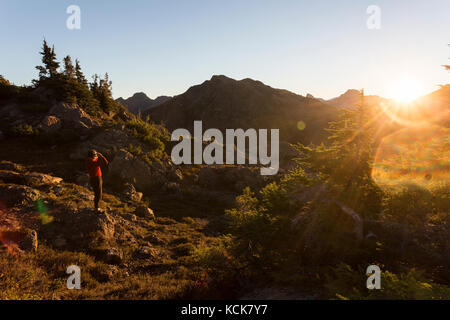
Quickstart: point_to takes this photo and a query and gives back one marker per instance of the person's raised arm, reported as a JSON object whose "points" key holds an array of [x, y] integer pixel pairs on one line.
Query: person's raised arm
{"points": [[104, 160]]}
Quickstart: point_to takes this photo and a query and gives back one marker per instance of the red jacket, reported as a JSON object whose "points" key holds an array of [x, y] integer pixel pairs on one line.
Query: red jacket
{"points": [[93, 165]]}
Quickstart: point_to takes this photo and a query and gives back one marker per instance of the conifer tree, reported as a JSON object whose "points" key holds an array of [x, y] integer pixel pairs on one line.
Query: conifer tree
{"points": [[51, 65], [69, 71], [346, 163], [79, 74]]}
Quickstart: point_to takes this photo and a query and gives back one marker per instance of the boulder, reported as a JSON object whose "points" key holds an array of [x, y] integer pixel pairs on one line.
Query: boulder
{"points": [[131, 193], [19, 239], [113, 256], [29, 241], [14, 194], [154, 239], [146, 252], [37, 179], [80, 229], [132, 170], [50, 124], [72, 116], [144, 212]]}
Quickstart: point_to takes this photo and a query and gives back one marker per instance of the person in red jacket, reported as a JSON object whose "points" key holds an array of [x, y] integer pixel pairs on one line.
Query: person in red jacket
{"points": [[93, 162]]}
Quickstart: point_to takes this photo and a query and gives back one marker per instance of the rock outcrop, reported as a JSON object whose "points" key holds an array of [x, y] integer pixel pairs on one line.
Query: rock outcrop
{"points": [[14, 194], [144, 212], [72, 116]]}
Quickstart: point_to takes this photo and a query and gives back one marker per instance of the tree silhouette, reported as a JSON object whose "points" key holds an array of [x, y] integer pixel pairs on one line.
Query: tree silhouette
{"points": [[69, 70], [79, 74], [51, 65]]}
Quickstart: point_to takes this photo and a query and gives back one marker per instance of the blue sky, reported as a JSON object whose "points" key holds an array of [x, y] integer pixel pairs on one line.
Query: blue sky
{"points": [[163, 47]]}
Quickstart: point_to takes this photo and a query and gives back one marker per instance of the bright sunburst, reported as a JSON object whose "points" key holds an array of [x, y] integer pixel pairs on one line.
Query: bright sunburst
{"points": [[406, 91]]}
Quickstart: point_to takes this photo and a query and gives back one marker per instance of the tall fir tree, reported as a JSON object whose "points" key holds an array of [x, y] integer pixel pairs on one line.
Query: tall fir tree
{"points": [[51, 65], [346, 162], [79, 74], [69, 70]]}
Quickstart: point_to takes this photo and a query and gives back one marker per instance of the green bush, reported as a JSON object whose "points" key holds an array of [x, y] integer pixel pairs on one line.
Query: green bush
{"points": [[414, 205], [153, 136], [24, 130]]}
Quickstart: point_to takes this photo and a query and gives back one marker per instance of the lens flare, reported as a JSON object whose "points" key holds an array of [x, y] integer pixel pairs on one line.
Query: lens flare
{"points": [[413, 155]]}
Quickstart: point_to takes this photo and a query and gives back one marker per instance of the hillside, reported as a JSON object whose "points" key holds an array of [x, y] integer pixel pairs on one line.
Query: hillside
{"points": [[222, 102]]}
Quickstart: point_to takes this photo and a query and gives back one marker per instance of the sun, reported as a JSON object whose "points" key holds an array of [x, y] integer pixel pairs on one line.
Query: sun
{"points": [[405, 91]]}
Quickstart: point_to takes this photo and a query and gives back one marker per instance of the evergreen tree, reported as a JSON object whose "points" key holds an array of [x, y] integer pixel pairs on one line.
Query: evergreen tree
{"points": [[102, 91], [69, 71], [79, 74], [346, 163], [51, 65]]}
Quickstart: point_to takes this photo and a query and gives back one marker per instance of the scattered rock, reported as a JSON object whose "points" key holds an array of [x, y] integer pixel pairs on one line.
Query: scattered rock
{"points": [[130, 217], [172, 187], [175, 175], [58, 189], [132, 194], [8, 165], [113, 256], [147, 252], [14, 194], [145, 212], [29, 241], [154, 239]]}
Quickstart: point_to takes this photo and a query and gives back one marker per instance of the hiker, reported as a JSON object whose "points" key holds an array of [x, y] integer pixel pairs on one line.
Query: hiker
{"points": [[93, 163]]}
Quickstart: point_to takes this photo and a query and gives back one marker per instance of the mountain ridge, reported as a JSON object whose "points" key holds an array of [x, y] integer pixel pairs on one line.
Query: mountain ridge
{"points": [[222, 102], [140, 102]]}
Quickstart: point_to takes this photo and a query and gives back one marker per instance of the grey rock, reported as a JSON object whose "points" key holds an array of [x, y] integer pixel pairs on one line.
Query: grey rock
{"points": [[144, 212]]}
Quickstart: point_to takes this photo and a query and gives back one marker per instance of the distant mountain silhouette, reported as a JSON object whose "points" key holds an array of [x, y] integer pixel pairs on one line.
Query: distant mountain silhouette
{"points": [[141, 102], [222, 102], [351, 98]]}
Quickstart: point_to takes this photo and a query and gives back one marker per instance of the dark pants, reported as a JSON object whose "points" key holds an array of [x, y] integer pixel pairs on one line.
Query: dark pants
{"points": [[96, 184]]}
